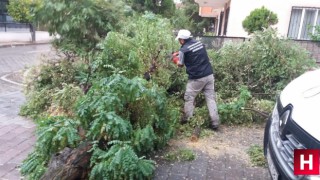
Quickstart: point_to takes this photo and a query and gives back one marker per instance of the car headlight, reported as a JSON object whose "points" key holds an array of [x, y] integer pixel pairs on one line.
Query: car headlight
{"points": [[283, 119], [275, 117]]}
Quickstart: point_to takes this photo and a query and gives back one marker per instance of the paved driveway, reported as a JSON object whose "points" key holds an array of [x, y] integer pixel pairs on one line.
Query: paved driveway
{"points": [[16, 132]]}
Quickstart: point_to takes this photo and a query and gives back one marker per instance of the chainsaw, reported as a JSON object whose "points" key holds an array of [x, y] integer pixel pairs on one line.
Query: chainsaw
{"points": [[175, 57]]}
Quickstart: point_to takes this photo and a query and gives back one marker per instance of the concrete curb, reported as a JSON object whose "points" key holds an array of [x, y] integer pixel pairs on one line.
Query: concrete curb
{"points": [[4, 78], [13, 44]]}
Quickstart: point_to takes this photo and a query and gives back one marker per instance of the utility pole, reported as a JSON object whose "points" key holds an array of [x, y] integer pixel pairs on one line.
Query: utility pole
{"points": [[33, 33], [33, 30]]}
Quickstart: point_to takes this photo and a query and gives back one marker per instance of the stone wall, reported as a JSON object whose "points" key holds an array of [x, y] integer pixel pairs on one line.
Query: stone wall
{"points": [[312, 46]]}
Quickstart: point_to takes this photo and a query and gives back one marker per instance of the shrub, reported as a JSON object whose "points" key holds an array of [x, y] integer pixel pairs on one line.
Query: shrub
{"points": [[264, 65], [52, 89], [259, 19], [124, 118]]}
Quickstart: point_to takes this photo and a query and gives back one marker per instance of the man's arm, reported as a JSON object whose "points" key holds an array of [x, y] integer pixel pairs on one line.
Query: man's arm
{"points": [[181, 59]]}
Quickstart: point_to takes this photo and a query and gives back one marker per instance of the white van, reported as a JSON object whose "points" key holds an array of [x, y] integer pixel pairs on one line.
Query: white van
{"points": [[294, 124]]}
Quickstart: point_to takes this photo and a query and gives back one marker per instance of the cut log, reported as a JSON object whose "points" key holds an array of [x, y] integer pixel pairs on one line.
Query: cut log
{"points": [[196, 134], [264, 114], [69, 164]]}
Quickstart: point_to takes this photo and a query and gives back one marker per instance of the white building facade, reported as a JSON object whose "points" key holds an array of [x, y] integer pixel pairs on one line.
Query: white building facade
{"points": [[296, 18]]}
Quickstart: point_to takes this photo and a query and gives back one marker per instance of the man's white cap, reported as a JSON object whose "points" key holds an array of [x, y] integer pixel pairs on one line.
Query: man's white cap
{"points": [[183, 34]]}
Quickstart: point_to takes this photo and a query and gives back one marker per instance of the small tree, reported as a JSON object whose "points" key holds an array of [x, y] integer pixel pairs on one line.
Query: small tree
{"points": [[163, 7], [188, 18], [259, 19], [23, 11], [82, 23]]}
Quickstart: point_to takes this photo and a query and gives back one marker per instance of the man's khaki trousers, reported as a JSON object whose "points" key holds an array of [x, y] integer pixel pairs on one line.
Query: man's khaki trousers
{"points": [[194, 87]]}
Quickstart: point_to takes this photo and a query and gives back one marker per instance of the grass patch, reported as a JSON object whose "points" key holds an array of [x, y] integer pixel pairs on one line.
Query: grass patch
{"points": [[180, 155], [187, 131], [256, 155]]}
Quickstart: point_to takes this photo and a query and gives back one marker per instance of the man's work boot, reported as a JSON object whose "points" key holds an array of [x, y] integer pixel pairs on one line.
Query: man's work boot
{"points": [[183, 120], [214, 127]]}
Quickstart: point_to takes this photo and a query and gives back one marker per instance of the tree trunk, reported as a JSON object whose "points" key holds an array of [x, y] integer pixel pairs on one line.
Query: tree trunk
{"points": [[69, 164], [33, 33], [196, 134]]}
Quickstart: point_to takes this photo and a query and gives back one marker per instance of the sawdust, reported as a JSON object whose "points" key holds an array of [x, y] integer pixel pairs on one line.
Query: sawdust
{"points": [[232, 140]]}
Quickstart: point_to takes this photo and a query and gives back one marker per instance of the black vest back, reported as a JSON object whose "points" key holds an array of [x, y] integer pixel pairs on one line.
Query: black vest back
{"points": [[196, 59]]}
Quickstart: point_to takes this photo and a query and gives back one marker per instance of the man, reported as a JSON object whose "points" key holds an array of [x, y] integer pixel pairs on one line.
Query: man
{"points": [[194, 56]]}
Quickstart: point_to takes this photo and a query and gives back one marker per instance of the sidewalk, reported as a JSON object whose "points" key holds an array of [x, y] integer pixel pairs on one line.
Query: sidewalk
{"points": [[8, 39]]}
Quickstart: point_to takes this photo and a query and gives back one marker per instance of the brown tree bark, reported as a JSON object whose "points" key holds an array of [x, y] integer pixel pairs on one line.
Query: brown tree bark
{"points": [[69, 164]]}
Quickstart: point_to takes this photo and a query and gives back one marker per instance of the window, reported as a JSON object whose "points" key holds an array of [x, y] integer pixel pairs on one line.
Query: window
{"points": [[303, 22]]}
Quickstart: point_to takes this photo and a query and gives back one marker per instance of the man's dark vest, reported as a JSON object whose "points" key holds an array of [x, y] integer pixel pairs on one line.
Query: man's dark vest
{"points": [[196, 59]]}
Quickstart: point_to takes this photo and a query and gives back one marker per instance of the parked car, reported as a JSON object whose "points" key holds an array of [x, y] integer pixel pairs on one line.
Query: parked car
{"points": [[294, 124]]}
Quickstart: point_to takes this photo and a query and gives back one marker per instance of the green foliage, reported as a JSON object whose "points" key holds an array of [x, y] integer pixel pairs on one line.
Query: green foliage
{"points": [[53, 134], [37, 103], [80, 24], [188, 18], [180, 155], [145, 41], [200, 119], [124, 115], [65, 99], [118, 109], [163, 7], [51, 75], [119, 162], [115, 109], [231, 111], [22, 10], [117, 105], [34, 166], [261, 106], [51, 89], [256, 155], [259, 19], [264, 65], [316, 35], [56, 133]]}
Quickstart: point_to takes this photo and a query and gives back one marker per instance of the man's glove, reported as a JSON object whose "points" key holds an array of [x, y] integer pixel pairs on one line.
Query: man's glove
{"points": [[175, 57]]}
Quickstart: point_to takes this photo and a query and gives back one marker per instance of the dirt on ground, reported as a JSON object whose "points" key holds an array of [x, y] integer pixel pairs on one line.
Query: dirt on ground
{"points": [[232, 140]]}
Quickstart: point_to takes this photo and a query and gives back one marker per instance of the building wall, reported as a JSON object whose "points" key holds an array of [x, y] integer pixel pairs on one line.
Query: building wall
{"points": [[240, 9], [311, 46]]}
